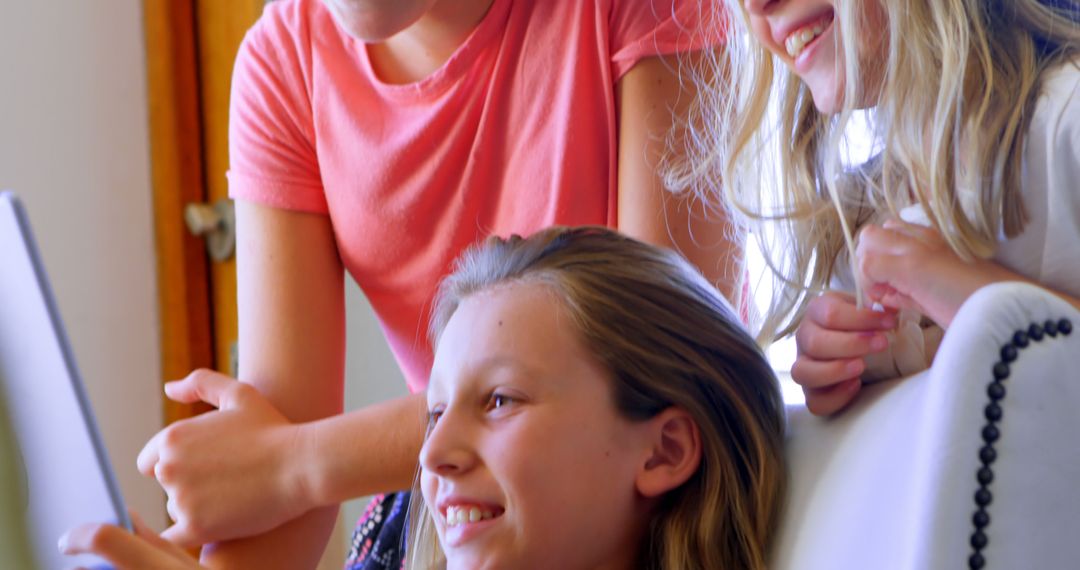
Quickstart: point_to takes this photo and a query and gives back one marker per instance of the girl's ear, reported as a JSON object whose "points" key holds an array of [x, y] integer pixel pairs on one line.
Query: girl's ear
{"points": [[674, 455]]}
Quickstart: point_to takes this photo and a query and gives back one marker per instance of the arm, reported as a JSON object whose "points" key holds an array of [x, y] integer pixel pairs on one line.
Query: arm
{"points": [[904, 266], [292, 349], [910, 266], [652, 100], [292, 335]]}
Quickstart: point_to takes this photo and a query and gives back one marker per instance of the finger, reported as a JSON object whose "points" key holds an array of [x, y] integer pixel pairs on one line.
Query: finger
{"points": [[876, 291], [877, 240], [818, 374], [887, 298], [834, 311], [172, 509], [149, 456], [922, 233], [882, 268], [901, 226], [826, 344], [147, 533], [181, 536], [828, 401], [203, 386], [121, 548]]}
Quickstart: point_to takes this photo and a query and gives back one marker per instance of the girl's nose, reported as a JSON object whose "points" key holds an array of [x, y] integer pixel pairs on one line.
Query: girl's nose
{"points": [[760, 7], [447, 450]]}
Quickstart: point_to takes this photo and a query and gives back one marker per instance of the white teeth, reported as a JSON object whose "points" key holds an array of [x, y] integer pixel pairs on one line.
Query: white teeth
{"points": [[798, 40], [459, 515]]}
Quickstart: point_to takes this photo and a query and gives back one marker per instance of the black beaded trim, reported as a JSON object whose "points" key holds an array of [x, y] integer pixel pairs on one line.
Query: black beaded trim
{"points": [[990, 432]]}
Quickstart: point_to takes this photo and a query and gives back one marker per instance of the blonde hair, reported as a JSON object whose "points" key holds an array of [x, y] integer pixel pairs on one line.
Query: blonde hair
{"points": [[668, 339], [952, 101]]}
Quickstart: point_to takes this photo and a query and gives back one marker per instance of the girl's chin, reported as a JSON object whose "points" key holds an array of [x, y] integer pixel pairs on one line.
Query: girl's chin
{"points": [[827, 105], [825, 94]]}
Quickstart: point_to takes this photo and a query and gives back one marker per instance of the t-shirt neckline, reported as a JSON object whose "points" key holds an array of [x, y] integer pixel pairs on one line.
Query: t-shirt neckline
{"points": [[490, 26]]}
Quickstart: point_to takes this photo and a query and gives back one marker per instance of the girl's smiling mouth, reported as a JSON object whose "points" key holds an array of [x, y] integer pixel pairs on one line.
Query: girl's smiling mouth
{"points": [[464, 520], [806, 35], [461, 514]]}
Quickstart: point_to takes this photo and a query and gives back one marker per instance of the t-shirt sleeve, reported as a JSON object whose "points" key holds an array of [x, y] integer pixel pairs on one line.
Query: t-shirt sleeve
{"points": [[645, 28], [272, 151]]}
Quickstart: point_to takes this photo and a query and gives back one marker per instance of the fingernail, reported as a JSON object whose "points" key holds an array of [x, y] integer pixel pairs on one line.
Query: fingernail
{"points": [[879, 343], [888, 322], [62, 544], [855, 367]]}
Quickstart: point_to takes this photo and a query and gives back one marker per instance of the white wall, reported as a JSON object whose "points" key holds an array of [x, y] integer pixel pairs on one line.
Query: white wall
{"points": [[371, 374], [73, 144]]}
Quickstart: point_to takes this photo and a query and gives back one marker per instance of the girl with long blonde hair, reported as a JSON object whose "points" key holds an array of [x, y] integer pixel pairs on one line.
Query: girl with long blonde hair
{"points": [[594, 403], [971, 116]]}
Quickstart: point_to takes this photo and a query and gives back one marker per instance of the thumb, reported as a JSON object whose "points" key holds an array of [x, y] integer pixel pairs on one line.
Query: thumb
{"points": [[201, 386], [124, 550], [180, 535]]}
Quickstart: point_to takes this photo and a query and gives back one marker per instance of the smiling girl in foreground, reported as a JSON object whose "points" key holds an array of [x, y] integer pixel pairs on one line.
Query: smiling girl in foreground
{"points": [[975, 117], [594, 403]]}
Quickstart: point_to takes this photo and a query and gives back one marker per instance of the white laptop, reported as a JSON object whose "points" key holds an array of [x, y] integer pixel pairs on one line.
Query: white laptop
{"points": [[67, 479]]}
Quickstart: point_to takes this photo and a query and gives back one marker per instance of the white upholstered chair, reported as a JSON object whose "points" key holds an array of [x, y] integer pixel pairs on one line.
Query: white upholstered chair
{"points": [[895, 481]]}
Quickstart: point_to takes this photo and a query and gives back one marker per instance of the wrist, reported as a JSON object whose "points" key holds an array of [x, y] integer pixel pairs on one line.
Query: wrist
{"points": [[303, 481], [960, 281]]}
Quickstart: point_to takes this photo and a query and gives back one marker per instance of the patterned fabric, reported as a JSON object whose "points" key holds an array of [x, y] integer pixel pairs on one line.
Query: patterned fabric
{"points": [[378, 542]]}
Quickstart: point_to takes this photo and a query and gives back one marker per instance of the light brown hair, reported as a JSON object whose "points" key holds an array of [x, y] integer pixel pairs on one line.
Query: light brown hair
{"points": [[668, 338]]}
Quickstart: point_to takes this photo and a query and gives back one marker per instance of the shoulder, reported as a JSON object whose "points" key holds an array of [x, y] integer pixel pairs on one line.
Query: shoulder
{"points": [[1057, 112], [288, 27]]}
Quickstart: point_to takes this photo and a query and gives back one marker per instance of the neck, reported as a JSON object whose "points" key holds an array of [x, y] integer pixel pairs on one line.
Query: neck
{"points": [[417, 51]]}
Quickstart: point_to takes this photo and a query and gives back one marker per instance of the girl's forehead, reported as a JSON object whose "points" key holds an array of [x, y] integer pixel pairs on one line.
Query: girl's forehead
{"points": [[518, 327]]}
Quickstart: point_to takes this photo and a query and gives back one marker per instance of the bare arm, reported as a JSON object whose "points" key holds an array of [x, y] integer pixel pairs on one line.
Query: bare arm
{"points": [[292, 349], [652, 97]]}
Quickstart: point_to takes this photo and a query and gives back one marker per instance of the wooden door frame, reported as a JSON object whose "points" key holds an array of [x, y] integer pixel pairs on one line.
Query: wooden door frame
{"points": [[190, 48], [177, 176]]}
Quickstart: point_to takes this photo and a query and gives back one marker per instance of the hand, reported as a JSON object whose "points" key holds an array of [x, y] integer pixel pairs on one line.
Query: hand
{"points": [[908, 266], [230, 473], [127, 551], [833, 340]]}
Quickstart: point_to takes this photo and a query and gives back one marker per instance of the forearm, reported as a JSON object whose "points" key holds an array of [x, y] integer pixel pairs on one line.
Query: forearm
{"points": [[364, 452], [368, 451], [296, 544], [292, 350], [989, 272]]}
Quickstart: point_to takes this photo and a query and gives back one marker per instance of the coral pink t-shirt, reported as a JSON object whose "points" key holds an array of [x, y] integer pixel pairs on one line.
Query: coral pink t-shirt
{"points": [[515, 132]]}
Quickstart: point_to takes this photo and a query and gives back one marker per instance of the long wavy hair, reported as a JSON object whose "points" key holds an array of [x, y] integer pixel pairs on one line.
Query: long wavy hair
{"points": [[667, 338], [951, 102]]}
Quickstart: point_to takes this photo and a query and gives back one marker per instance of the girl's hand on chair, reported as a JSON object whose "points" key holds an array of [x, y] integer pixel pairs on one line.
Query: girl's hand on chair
{"points": [[833, 340], [127, 551], [907, 266]]}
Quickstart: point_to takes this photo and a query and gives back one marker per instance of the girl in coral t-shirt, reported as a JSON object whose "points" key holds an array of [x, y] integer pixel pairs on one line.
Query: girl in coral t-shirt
{"points": [[381, 139]]}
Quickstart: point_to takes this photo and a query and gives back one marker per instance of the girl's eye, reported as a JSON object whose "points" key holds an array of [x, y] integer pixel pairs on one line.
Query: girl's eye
{"points": [[499, 401]]}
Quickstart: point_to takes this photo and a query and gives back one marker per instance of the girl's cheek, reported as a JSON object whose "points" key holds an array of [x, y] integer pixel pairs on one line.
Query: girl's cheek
{"points": [[760, 29], [428, 487]]}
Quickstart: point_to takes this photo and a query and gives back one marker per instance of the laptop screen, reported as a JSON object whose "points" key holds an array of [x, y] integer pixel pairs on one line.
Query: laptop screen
{"points": [[65, 474]]}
